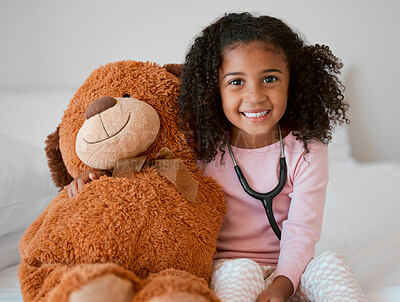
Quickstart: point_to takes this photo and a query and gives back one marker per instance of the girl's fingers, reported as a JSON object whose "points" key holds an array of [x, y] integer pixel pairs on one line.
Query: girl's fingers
{"points": [[77, 183], [80, 182], [69, 191], [72, 189], [96, 175]]}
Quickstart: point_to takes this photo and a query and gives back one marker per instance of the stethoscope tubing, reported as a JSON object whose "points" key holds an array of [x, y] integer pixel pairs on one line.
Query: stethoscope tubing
{"points": [[265, 198]]}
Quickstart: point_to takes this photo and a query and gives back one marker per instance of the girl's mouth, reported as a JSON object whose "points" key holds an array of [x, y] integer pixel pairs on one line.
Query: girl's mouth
{"points": [[255, 114]]}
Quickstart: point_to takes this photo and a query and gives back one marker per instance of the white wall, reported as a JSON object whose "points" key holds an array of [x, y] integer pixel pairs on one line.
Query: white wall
{"points": [[54, 44]]}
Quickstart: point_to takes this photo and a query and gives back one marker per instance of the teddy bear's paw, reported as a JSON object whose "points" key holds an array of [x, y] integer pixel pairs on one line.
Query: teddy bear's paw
{"points": [[175, 285], [181, 297], [107, 288]]}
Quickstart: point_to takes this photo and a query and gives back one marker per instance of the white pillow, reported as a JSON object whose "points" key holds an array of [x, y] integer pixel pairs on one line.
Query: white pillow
{"points": [[25, 190], [9, 249]]}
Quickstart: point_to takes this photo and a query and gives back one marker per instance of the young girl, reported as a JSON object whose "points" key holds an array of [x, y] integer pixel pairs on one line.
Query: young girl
{"points": [[247, 81]]}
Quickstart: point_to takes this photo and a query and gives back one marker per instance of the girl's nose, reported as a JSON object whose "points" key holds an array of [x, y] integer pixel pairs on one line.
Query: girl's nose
{"points": [[255, 95], [99, 105]]}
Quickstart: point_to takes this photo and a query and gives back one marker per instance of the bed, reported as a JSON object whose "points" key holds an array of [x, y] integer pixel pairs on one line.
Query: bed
{"points": [[360, 221]]}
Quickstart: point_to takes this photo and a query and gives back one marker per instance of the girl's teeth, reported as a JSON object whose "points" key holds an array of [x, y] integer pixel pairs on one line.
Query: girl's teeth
{"points": [[254, 114]]}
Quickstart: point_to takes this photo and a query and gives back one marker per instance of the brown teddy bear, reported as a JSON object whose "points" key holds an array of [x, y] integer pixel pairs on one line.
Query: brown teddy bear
{"points": [[146, 233]]}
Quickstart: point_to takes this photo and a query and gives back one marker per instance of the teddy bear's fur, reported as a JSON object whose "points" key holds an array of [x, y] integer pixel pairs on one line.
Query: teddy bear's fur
{"points": [[123, 239]]}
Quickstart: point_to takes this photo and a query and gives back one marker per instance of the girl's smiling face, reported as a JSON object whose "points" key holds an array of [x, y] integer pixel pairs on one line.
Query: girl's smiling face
{"points": [[254, 82]]}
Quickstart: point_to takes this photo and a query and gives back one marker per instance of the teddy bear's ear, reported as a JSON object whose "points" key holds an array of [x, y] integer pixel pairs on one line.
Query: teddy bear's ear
{"points": [[175, 69], [59, 172]]}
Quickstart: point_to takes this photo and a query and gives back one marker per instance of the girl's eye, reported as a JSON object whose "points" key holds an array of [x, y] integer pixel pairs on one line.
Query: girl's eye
{"points": [[236, 82], [269, 79]]}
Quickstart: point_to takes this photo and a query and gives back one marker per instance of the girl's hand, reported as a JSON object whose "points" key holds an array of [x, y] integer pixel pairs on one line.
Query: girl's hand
{"points": [[280, 290], [270, 296], [82, 179]]}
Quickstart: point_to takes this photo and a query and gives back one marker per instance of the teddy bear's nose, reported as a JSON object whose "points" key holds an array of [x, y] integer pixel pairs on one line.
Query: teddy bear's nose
{"points": [[99, 105]]}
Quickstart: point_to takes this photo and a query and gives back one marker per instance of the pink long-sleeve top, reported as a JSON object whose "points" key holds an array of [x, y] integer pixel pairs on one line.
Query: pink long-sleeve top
{"points": [[298, 209]]}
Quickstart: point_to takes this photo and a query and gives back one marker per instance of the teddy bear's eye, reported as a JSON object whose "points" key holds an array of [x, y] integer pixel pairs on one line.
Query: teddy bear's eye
{"points": [[126, 95]]}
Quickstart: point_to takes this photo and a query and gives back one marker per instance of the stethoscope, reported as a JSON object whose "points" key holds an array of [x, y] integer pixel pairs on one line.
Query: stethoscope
{"points": [[265, 198]]}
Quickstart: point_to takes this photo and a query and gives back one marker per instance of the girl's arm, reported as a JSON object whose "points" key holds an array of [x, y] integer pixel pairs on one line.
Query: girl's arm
{"points": [[300, 232]]}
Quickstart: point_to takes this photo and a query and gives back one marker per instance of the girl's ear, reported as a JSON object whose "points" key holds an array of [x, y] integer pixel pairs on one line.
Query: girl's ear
{"points": [[59, 172], [175, 69]]}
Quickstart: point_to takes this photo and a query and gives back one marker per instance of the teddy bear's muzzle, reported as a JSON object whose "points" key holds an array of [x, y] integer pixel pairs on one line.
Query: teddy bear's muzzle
{"points": [[116, 128]]}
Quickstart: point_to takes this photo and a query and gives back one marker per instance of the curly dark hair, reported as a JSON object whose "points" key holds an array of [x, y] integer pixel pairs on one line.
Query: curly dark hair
{"points": [[315, 97]]}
